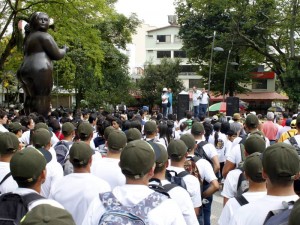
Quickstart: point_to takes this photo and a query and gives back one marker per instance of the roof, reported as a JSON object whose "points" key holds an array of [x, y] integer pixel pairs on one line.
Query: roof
{"points": [[255, 96], [161, 28]]}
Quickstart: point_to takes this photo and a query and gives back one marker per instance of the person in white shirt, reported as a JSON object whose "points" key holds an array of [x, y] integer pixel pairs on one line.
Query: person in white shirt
{"points": [[164, 102], [150, 131], [206, 175], [77, 200], [109, 169], [177, 152], [254, 143], [196, 101], [28, 169], [234, 155], [41, 141], [137, 163], [204, 99], [3, 121], [280, 177], [179, 194], [9, 146], [257, 188]]}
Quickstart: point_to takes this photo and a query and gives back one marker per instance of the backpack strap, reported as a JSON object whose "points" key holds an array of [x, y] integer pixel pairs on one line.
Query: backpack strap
{"points": [[289, 134], [242, 149], [241, 200], [169, 187], [273, 213], [5, 177], [241, 178], [31, 197], [183, 173], [293, 141]]}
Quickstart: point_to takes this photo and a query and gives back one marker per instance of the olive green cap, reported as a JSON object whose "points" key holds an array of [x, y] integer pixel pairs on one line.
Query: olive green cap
{"points": [[9, 143], [27, 165], [189, 141], [253, 167], [14, 127], [116, 140], [254, 143], [80, 153], [67, 128], [197, 128], [177, 149], [41, 137], [85, 129], [133, 134]]}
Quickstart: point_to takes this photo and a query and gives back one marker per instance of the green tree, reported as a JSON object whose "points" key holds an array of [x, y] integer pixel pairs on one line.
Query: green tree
{"points": [[156, 77], [266, 29]]}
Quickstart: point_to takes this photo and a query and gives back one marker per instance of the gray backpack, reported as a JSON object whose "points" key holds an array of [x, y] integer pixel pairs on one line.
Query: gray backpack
{"points": [[117, 214], [280, 216]]}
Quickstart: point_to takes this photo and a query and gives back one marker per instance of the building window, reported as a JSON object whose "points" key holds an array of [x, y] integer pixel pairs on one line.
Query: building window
{"points": [[163, 38], [189, 68], [195, 82], [179, 54], [259, 84], [163, 54]]}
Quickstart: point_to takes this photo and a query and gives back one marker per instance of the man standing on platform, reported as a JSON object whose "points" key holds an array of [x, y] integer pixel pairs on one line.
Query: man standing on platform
{"points": [[196, 101], [170, 108], [204, 99]]}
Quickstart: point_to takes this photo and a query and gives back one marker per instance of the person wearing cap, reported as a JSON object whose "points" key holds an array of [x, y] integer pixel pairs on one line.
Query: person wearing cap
{"points": [[41, 140], [150, 131], [109, 169], [85, 132], [233, 155], [87, 186], [16, 128], [196, 100], [203, 102], [269, 128], [164, 101], [288, 131], [47, 215], [137, 162], [206, 174], [280, 177], [177, 151], [237, 126], [257, 188], [9, 146], [254, 143], [198, 132], [179, 194], [133, 134], [28, 169]]}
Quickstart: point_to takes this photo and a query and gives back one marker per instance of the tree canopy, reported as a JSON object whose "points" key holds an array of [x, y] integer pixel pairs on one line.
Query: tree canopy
{"points": [[92, 30], [260, 32]]}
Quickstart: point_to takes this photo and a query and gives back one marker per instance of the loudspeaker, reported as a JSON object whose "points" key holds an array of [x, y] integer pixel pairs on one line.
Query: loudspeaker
{"points": [[232, 105], [182, 105]]}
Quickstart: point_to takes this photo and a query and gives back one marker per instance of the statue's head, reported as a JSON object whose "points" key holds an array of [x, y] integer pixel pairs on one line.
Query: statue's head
{"points": [[39, 21]]}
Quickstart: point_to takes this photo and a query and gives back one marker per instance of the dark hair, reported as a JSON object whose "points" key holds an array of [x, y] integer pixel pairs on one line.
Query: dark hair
{"points": [[92, 117], [136, 124], [217, 127], [225, 127], [208, 130], [163, 131], [101, 124], [54, 124]]}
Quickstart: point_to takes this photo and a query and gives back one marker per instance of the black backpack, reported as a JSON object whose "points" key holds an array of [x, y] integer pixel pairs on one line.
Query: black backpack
{"points": [[176, 178], [155, 185], [294, 143], [199, 152], [13, 207], [280, 216]]}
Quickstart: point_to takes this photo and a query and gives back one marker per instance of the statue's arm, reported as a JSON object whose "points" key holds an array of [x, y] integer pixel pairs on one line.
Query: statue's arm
{"points": [[51, 48]]}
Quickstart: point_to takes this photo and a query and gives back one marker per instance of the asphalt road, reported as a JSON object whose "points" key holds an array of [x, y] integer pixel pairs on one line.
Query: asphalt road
{"points": [[217, 206]]}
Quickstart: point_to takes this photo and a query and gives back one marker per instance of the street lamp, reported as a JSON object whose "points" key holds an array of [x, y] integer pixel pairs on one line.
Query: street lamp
{"points": [[226, 69]]}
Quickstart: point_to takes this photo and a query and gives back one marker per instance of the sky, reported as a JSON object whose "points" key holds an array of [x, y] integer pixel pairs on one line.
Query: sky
{"points": [[152, 12]]}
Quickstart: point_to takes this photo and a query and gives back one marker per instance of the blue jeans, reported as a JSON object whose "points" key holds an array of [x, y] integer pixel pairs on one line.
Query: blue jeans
{"points": [[204, 216], [170, 110], [196, 111], [202, 109], [164, 109]]}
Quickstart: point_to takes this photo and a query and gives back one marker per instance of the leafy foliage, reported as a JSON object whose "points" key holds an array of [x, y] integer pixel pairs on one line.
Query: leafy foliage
{"points": [[157, 77]]}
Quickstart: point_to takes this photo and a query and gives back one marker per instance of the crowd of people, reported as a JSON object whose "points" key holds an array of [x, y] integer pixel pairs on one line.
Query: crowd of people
{"points": [[95, 167]]}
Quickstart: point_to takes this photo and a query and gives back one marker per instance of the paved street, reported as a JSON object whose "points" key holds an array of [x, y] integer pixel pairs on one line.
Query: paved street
{"points": [[216, 208]]}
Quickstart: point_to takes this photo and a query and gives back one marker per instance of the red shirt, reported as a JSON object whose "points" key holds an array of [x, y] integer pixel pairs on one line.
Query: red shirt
{"points": [[270, 130]]}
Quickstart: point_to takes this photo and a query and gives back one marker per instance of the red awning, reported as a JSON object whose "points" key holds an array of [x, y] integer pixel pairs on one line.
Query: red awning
{"points": [[255, 96]]}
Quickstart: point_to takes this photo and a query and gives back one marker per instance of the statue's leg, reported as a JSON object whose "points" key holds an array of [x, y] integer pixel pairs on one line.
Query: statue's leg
{"points": [[41, 105]]}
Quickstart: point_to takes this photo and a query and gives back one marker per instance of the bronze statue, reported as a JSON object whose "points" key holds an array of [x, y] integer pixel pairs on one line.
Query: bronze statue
{"points": [[35, 73]]}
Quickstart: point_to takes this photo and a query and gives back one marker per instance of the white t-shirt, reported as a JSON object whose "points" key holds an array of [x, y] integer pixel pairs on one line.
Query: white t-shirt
{"points": [[209, 149], [166, 213], [9, 184], [54, 173], [256, 212], [164, 98], [109, 171], [2, 128], [182, 198], [205, 170], [196, 99], [204, 99], [25, 139], [232, 205], [192, 186], [76, 191], [230, 183], [221, 145]]}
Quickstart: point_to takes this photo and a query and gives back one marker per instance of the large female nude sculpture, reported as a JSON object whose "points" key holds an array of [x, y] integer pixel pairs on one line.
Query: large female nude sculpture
{"points": [[35, 73]]}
